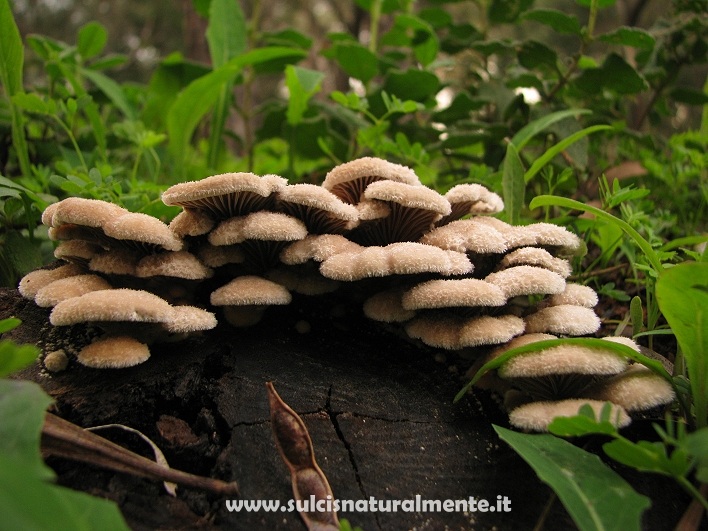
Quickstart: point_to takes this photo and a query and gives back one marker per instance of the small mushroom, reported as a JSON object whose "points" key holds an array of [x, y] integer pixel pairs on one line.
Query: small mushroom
{"points": [[402, 258], [67, 288], [551, 237], [467, 236], [470, 199], [318, 248], [262, 235], [635, 389], [115, 262], [192, 223], [526, 280], [77, 251], [143, 232], [303, 280], [413, 211], [180, 264], [563, 319], [35, 280], [536, 416], [83, 212], [452, 293], [455, 333], [386, 307], [349, 180], [575, 295], [113, 353], [246, 298], [320, 210], [537, 257], [226, 195]]}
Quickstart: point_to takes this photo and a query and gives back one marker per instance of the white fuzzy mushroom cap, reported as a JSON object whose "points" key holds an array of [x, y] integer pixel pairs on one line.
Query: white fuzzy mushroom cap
{"points": [[454, 333], [186, 319], [317, 197], [251, 290], [349, 180], [467, 235], [262, 225], [78, 251], [535, 256], [475, 199], [536, 416], [402, 258], [114, 353], [111, 305], [180, 264], [526, 280], [386, 307], [142, 228], [67, 288], [33, 281], [192, 223], [317, 247], [119, 261], [635, 389], [563, 359], [450, 293], [225, 195], [563, 319], [575, 295], [408, 196], [79, 211]]}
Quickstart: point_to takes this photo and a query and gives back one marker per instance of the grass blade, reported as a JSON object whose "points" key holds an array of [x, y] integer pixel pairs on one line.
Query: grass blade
{"points": [[526, 133], [513, 184]]}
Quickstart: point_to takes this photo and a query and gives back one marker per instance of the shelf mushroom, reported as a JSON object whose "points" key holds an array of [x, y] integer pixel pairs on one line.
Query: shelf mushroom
{"points": [[245, 299]]}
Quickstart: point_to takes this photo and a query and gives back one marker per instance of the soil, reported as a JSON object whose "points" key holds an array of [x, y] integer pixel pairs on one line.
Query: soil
{"points": [[379, 410]]}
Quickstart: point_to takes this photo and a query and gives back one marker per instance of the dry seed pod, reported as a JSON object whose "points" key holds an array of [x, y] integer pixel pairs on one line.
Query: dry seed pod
{"points": [[295, 447]]}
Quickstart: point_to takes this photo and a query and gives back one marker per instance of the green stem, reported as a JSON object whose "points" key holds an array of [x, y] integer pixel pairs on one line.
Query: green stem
{"points": [[693, 491], [592, 18], [374, 25], [73, 142]]}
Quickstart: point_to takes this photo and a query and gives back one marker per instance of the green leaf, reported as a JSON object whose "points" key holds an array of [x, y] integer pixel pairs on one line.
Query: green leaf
{"points": [[584, 423], [112, 90], [644, 456], [533, 54], [31, 103], [559, 21], [227, 32], [682, 294], [626, 36], [615, 74], [636, 314], [689, 96], [526, 133], [600, 3], [595, 497], [91, 39], [697, 445], [15, 357], [192, 103], [513, 184], [11, 51], [413, 84], [24, 255], [9, 324], [302, 84], [503, 11], [356, 60], [27, 499]]}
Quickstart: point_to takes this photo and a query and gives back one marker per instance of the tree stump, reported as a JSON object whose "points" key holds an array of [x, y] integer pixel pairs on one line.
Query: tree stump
{"points": [[379, 410]]}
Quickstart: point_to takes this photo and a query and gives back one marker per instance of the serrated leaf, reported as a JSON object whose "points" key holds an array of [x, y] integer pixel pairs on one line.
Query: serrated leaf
{"points": [[513, 184], [595, 497], [626, 36], [91, 39], [559, 21]]}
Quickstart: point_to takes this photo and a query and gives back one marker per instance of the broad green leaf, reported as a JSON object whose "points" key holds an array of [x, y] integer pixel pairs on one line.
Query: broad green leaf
{"points": [[227, 32], [15, 357], [28, 500], [25, 255], [22, 408], [356, 60], [615, 74], [559, 21], [32, 103], [682, 294], [533, 54], [513, 184], [91, 39], [112, 90], [637, 314], [595, 496], [503, 11], [413, 84], [526, 133], [622, 350], [634, 37], [644, 456], [582, 424], [11, 51], [302, 84], [689, 96], [192, 103]]}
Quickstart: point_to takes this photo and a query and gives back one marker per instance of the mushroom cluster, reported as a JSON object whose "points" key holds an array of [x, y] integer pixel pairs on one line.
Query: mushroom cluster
{"points": [[557, 381], [439, 267]]}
